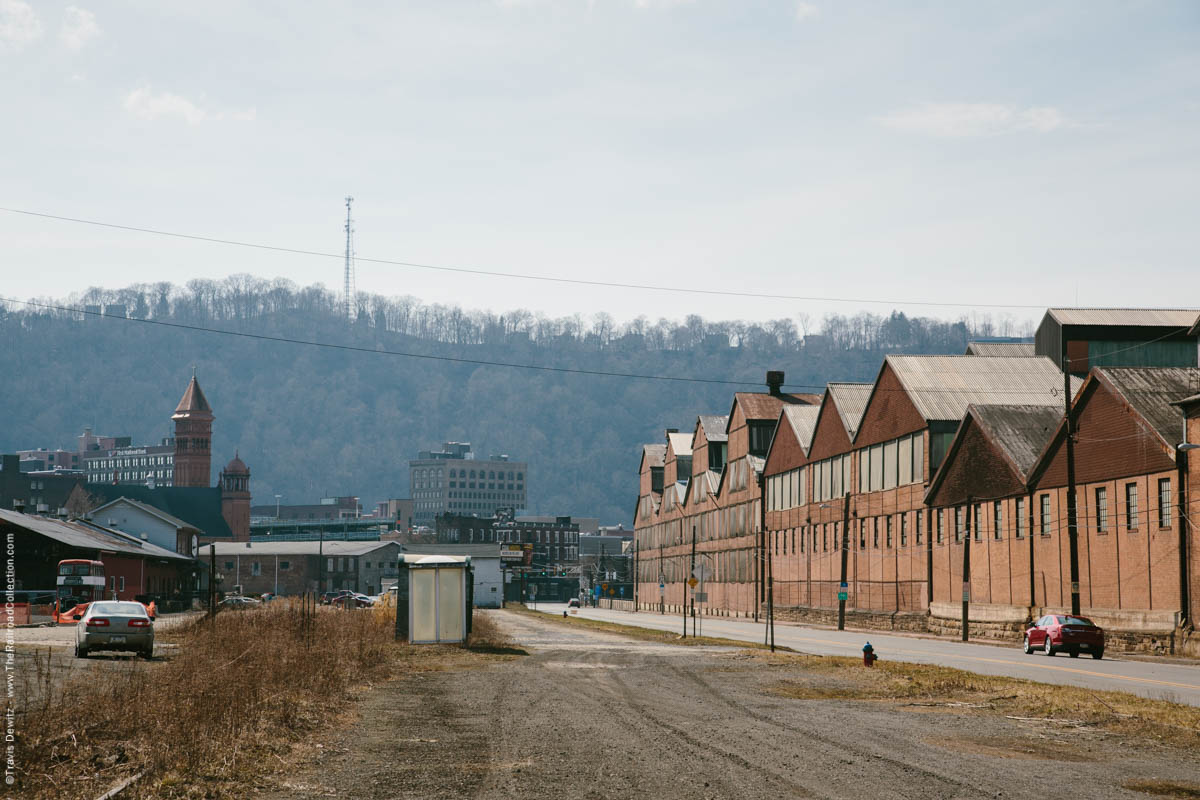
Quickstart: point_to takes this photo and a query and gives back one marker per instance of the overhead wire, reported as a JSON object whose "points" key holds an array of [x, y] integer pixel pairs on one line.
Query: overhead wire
{"points": [[1053, 391], [515, 275]]}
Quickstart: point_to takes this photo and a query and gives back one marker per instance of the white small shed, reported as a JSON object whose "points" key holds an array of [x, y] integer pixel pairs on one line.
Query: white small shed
{"points": [[438, 602]]}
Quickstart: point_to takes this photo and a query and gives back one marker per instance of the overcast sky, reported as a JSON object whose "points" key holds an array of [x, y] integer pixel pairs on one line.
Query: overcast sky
{"points": [[1023, 153]]}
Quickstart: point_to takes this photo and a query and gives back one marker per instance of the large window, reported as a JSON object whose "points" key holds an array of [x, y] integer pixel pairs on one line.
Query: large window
{"points": [[1045, 517], [786, 490], [997, 520], [1164, 503], [1101, 510], [1020, 517], [831, 478], [897, 462]]}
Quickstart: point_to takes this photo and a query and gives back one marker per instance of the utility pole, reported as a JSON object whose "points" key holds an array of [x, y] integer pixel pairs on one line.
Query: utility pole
{"points": [[320, 560], [966, 596], [212, 580], [842, 585], [692, 574], [1072, 511], [771, 595], [636, 574]]}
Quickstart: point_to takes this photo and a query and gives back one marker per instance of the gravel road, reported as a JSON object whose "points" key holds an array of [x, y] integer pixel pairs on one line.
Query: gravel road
{"points": [[594, 715]]}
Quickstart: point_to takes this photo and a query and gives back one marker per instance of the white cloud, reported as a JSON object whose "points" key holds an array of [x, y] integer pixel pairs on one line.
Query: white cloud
{"points": [[78, 28], [806, 10], [147, 104], [18, 24], [957, 120]]}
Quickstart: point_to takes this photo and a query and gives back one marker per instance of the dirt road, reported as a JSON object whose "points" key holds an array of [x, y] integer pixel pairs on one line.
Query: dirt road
{"points": [[593, 715]]}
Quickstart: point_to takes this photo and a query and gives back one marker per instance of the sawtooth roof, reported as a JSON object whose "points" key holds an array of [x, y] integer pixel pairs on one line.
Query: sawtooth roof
{"points": [[803, 420], [1153, 317], [681, 443], [655, 455], [174, 521], [759, 405], [1020, 431], [1003, 349], [850, 399], [943, 387], [714, 427], [1150, 392]]}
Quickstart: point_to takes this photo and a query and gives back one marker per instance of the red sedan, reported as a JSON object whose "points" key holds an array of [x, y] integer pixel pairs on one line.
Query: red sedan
{"points": [[1057, 632]]}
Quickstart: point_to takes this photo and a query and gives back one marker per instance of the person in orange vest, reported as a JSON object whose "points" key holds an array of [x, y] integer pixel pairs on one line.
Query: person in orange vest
{"points": [[152, 609]]}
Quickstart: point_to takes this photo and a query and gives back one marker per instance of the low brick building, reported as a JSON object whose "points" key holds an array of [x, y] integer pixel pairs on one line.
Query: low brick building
{"points": [[292, 568]]}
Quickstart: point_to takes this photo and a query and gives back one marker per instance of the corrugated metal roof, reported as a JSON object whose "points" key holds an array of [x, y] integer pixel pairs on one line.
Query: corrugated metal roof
{"points": [[803, 420], [681, 443], [1021, 431], [88, 536], [296, 548], [1150, 391], [1165, 317], [654, 454], [850, 400], [758, 405], [1002, 349], [714, 427], [942, 387], [484, 550]]}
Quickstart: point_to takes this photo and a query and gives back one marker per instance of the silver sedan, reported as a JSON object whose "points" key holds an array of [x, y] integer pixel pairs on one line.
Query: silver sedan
{"points": [[114, 625]]}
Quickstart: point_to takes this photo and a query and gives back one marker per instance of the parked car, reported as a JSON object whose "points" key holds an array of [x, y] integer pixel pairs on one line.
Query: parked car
{"points": [[573, 602], [237, 601], [1055, 633], [114, 625]]}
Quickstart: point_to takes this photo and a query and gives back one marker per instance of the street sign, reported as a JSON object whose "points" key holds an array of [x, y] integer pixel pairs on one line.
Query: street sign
{"points": [[843, 595], [512, 554], [701, 597], [662, 588], [702, 571], [966, 592], [692, 581], [843, 585]]}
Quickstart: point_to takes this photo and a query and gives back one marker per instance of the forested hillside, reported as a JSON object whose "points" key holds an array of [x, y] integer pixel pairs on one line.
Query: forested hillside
{"points": [[313, 421]]}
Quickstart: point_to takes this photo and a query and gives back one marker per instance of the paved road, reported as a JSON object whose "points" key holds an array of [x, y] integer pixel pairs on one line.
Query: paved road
{"points": [[1155, 679]]}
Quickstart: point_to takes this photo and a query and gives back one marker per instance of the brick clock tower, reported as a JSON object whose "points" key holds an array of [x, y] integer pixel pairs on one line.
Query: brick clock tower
{"points": [[235, 498], [193, 438]]}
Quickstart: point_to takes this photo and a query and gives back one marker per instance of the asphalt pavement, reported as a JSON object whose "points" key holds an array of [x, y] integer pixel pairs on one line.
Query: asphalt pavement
{"points": [[1162, 679]]}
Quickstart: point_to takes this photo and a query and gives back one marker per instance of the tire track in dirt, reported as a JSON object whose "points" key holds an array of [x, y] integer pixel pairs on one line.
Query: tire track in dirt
{"points": [[839, 746]]}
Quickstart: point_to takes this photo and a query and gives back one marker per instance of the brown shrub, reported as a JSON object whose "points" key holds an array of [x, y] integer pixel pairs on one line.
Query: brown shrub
{"points": [[239, 689]]}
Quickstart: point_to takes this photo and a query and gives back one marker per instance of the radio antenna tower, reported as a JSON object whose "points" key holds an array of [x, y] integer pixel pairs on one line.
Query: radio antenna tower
{"points": [[348, 288]]}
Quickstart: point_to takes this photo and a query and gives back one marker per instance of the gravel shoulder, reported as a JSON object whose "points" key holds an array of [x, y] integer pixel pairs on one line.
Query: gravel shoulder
{"points": [[597, 715]]}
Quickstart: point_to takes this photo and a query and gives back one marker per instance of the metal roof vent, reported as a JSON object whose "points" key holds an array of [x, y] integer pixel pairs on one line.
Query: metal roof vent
{"points": [[775, 382]]}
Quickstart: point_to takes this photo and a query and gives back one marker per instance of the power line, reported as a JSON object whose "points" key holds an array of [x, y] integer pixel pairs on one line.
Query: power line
{"points": [[816, 388], [517, 275]]}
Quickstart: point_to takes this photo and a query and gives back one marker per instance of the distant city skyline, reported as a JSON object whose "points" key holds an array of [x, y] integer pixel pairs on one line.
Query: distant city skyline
{"points": [[979, 154]]}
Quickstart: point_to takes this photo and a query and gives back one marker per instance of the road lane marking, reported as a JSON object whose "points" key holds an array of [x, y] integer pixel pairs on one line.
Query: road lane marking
{"points": [[1037, 665]]}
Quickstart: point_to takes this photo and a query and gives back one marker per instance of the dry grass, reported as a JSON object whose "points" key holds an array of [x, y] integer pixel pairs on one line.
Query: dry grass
{"points": [[1164, 788], [928, 686], [227, 707], [643, 634]]}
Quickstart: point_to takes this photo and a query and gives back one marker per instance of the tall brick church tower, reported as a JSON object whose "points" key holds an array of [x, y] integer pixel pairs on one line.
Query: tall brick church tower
{"points": [[193, 438], [235, 498]]}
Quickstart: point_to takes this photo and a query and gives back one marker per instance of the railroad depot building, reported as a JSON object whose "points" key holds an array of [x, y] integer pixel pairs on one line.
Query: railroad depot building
{"points": [[895, 475]]}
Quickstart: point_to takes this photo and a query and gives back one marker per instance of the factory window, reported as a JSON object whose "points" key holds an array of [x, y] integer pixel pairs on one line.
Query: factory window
{"points": [[1101, 510], [1045, 520], [285, 565], [228, 565], [255, 568], [1164, 503]]}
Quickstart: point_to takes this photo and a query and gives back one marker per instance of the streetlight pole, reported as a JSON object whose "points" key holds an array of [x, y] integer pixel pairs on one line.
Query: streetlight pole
{"points": [[842, 586], [278, 497]]}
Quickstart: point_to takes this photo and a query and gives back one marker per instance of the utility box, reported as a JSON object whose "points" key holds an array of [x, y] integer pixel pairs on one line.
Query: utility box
{"points": [[433, 599]]}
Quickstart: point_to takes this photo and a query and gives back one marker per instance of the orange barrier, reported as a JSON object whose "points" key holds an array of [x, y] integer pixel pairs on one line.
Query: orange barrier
{"points": [[68, 617]]}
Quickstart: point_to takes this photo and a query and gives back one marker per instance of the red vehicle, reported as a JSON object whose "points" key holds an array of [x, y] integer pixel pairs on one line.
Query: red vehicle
{"points": [[1055, 633], [80, 583]]}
